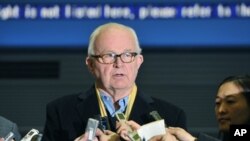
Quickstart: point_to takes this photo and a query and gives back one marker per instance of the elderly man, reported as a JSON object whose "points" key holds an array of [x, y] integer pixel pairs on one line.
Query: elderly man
{"points": [[114, 58]]}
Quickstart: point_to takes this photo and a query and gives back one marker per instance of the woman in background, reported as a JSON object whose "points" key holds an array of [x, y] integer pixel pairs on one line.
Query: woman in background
{"points": [[232, 103], [232, 107]]}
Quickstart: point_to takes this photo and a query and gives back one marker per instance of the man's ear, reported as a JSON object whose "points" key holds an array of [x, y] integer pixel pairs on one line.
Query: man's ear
{"points": [[90, 64], [140, 60]]}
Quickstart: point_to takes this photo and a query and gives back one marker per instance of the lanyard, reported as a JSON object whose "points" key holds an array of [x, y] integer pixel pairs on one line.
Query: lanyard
{"points": [[131, 100]]}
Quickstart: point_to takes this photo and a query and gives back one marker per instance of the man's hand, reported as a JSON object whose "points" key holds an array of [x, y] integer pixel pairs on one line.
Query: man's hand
{"points": [[108, 136], [84, 137], [123, 128], [181, 134], [2, 139], [102, 136], [165, 137]]}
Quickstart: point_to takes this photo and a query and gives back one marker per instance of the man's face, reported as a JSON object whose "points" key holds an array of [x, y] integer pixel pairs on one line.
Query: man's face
{"points": [[231, 106], [118, 75]]}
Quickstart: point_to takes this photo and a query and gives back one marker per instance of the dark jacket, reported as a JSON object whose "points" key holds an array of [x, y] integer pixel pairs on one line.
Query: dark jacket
{"points": [[205, 137], [67, 117], [7, 126]]}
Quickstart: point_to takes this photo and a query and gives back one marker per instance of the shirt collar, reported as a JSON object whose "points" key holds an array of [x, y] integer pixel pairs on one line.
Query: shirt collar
{"points": [[108, 102]]}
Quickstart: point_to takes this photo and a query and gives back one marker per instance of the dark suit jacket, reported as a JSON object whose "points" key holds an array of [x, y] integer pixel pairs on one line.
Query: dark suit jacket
{"points": [[67, 117], [205, 137]]}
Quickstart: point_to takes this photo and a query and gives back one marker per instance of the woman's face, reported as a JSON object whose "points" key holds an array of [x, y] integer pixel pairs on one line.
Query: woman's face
{"points": [[231, 106]]}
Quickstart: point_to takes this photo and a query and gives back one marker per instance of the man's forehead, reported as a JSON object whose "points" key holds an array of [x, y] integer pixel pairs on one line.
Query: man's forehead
{"points": [[116, 51]]}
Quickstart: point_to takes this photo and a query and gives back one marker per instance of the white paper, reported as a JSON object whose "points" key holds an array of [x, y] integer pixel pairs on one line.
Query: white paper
{"points": [[151, 129]]}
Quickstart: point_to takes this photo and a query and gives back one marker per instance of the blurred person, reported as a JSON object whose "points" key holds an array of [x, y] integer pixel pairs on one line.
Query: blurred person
{"points": [[7, 126], [232, 107], [232, 103], [114, 58]]}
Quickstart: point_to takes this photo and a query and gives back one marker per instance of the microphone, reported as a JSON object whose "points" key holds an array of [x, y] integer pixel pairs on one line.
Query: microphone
{"points": [[156, 116], [37, 137], [91, 128], [103, 122], [9, 137], [30, 135], [133, 135]]}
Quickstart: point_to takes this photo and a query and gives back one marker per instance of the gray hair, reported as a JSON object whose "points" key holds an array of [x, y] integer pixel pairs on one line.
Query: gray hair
{"points": [[99, 29]]}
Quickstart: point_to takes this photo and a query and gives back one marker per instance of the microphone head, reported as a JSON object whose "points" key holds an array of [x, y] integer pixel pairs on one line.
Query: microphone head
{"points": [[155, 115], [30, 135], [9, 137], [37, 137], [103, 122]]}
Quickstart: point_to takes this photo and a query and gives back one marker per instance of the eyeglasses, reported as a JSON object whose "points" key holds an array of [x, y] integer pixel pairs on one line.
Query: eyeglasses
{"points": [[110, 58]]}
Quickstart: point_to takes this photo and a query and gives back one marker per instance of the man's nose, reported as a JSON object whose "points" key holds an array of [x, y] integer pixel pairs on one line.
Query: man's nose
{"points": [[118, 61]]}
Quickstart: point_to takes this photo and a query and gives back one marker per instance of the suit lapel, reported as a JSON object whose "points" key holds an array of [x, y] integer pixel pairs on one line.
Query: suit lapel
{"points": [[88, 106], [141, 108]]}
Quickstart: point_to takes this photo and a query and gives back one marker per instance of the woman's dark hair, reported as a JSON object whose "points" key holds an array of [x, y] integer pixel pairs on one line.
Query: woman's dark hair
{"points": [[242, 81]]}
